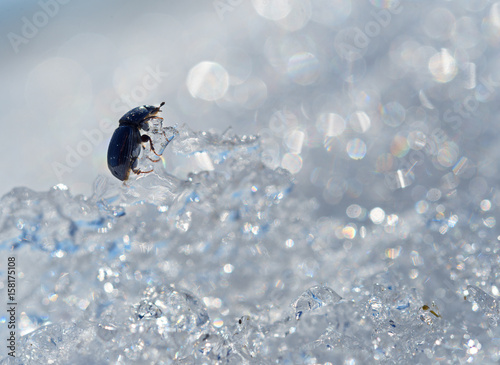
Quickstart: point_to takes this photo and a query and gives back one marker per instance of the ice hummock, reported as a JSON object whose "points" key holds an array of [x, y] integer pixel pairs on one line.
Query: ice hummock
{"points": [[232, 264]]}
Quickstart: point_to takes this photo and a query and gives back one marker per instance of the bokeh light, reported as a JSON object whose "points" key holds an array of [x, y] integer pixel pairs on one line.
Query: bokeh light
{"points": [[443, 66], [273, 10], [377, 215], [330, 124], [356, 148], [303, 68], [208, 81]]}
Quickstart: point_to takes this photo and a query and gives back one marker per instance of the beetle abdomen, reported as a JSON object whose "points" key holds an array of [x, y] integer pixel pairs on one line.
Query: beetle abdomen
{"points": [[124, 148]]}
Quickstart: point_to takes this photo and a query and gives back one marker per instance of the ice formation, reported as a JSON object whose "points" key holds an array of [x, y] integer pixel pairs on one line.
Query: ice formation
{"points": [[236, 265]]}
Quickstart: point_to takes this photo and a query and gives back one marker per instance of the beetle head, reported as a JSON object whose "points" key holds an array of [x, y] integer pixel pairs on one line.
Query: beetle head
{"points": [[139, 116]]}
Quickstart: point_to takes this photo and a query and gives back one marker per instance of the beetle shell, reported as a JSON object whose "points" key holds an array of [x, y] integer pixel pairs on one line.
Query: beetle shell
{"points": [[123, 151], [139, 115]]}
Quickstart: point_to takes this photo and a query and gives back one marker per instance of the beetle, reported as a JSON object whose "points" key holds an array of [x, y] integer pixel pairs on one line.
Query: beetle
{"points": [[125, 144]]}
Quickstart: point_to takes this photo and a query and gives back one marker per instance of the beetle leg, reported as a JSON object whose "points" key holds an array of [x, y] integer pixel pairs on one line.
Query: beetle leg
{"points": [[150, 159], [138, 172], [169, 140], [145, 138]]}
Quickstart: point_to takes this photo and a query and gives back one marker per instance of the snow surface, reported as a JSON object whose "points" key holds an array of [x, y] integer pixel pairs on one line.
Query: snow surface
{"points": [[329, 195]]}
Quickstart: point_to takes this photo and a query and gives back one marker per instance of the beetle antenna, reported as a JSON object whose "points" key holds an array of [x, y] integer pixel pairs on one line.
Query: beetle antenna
{"points": [[162, 103]]}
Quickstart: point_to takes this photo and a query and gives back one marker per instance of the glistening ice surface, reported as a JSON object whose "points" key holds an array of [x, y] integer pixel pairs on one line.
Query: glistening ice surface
{"points": [[235, 265], [347, 217]]}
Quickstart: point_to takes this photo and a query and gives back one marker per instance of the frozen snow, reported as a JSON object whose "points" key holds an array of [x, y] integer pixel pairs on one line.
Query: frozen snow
{"points": [[329, 195]]}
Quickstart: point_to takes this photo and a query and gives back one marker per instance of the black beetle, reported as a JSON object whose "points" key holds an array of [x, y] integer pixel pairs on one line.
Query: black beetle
{"points": [[125, 145]]}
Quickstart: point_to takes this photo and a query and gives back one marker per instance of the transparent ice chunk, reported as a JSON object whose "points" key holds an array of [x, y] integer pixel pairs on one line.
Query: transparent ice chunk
{"points": [[486, 303], [314, 298]]}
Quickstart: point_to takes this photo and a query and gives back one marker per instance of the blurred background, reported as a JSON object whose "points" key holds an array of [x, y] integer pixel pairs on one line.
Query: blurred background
{"points": [[360, 99]]}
